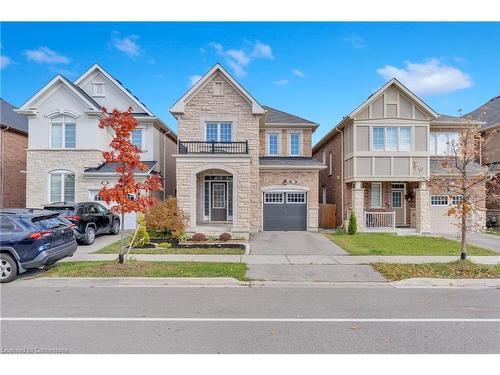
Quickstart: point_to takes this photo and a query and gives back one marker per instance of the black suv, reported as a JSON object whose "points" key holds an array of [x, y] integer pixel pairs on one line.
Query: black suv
{"points": [[31, 238], [90, 219]]}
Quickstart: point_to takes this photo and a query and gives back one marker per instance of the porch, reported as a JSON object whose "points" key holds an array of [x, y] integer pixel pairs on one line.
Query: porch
{"points": [[391, 206]]}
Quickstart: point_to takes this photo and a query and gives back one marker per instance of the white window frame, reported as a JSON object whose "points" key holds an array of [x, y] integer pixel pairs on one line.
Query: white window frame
{"points": [[433, 141], [300, 195], [300, 135], [398, 138], [323, 194], [94, 89], [379, 184], [269, 197], [324, 157], [440, 198], [218, 125], [268, 143], [143, 132], [330, 163], [63, 130], [60, 172]]}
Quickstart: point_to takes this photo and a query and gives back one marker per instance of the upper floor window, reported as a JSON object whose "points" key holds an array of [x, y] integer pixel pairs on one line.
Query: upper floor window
{"points": [[218, 132], [137, 138], [62, 132], [273, 148], [391, 138], [330, 163], [441, 142], [294, 141], [61, 186], [98, 89]]}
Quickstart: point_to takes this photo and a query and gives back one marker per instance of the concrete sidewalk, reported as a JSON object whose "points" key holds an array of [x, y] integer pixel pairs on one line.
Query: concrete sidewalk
{"points": [[286, 259]]}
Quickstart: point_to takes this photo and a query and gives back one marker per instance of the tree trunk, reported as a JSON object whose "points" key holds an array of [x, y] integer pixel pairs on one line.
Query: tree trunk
{"points": [[121, 258], [463, 240]]}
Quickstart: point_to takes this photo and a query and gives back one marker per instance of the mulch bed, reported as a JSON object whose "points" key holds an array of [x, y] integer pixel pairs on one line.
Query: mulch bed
{"points": [[199, 245]]}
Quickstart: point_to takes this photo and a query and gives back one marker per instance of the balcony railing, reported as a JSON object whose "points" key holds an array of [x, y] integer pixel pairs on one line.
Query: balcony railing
{"points": [[380, 221], [196, 147]]}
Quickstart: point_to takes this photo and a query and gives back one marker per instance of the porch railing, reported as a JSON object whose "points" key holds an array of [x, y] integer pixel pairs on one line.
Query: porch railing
{"points": [[196, 147], [380, 221]]}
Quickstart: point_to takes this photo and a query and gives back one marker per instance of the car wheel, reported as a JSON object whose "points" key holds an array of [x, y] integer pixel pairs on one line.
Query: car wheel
{"points": [[89, 236], [116, 227], [8, 268]]}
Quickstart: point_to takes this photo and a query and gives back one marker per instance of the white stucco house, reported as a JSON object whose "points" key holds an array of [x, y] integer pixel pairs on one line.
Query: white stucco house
{"points": [[65, 143]]}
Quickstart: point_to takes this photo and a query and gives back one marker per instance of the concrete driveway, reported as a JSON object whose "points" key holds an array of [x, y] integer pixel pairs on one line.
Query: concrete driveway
{"points": [[489, 241], [292, 243]]}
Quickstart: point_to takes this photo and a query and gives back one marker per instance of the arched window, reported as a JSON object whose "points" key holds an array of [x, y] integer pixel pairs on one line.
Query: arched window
{"points": [[63, 132], [61, 186]]}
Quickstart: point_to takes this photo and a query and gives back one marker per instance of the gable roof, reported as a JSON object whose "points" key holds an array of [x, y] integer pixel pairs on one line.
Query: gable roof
{"points": [[118, 84], [406, 90], [8, 117], [277, 117], [489, 113], [178, 107], [92, 104]]}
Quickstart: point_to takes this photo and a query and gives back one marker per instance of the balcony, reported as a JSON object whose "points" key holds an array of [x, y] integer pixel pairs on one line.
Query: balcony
{"points": [[196, 147]]}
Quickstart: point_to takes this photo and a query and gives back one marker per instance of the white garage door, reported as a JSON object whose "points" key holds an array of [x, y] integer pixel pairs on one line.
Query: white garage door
{"points": [[440, 221], [129, 219]]}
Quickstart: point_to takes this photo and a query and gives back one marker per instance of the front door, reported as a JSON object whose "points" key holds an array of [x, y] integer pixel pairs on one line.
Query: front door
{"points": [[219, 202], [397, 202]]}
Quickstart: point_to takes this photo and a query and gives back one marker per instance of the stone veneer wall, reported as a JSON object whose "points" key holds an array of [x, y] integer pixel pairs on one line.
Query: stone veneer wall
{"points": [[41, 162], [306, 139], [308, 179], [204, 106]]}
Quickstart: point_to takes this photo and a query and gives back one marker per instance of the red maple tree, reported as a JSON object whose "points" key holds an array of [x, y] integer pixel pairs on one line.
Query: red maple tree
{"points": [[128, 194]]}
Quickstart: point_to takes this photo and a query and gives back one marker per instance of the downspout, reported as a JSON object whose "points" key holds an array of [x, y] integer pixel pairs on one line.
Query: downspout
{"points": [[2, 165], [342, 171]]}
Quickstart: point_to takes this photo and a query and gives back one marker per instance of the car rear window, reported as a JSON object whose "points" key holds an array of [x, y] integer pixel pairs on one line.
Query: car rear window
{"points": [[45, 223], [64, 211]]}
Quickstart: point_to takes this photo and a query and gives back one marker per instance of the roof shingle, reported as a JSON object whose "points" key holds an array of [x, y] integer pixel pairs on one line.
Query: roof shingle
{"points": [[275, 116], [13, 119]]}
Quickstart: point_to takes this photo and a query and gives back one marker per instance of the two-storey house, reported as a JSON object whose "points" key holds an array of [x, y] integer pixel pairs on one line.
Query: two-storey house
{"points": [[65, 143], [242, 167], [380, 159]]}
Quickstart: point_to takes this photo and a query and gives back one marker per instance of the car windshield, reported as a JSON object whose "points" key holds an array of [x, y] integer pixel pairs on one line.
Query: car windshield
{"points": [[45, 223]]}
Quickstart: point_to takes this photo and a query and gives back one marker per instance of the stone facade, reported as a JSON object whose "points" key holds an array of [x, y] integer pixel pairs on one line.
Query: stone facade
{"points": [[308, 180], [42, 162], [12, 176], [306, 140]]}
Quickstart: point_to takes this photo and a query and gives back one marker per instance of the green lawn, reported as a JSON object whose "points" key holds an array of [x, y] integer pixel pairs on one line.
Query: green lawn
{"points": [[134, 268], [455, 270], [390, 244], [114, 248]]}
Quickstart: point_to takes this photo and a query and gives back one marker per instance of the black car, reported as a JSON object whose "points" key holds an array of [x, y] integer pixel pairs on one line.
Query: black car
{"points": [[31, 238], [90, 219]]}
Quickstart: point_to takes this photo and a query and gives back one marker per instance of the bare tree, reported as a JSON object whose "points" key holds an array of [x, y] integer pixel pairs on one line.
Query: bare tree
{"points": [[466, 179]]}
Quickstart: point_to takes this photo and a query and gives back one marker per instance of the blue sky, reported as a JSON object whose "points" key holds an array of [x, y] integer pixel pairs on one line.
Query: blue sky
{"points": [[320, 71]]}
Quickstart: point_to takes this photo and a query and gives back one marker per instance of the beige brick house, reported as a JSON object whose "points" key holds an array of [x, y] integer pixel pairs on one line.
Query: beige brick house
{"points": [[380, 159], [242, 167]]}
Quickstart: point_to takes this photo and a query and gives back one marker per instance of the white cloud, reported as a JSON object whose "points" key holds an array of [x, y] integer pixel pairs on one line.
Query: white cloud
{"points": [[239, 59], [281, 82], [45, 55], [298, 73], [128, 44], [355, 41], [194, 79], [4, 61], [428, 78]]}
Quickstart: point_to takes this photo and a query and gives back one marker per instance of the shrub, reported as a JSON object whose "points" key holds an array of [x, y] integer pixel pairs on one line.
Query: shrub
{"points": [[165, 245], [184, 237], [353, 226], [167, 217], [225, 237], [141, 237], [199, 237]]}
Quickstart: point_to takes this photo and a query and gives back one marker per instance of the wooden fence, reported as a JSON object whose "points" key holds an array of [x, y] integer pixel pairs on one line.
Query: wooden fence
{"points": [[327, 216]]}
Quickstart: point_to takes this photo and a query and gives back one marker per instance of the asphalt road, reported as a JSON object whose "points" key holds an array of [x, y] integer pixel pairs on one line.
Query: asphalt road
{"points": [[134, 319]]}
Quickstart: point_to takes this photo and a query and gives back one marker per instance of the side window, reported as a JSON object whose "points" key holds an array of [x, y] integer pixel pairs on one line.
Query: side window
{"points": [[93, 209], [7, 226], [102, 209]]}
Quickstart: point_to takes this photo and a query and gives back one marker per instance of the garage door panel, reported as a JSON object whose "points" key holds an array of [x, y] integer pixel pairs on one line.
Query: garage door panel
{"points": [[282, 213]]}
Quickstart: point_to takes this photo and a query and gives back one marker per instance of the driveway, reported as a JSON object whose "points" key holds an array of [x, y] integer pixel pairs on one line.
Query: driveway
{"points": [[292, 243]]}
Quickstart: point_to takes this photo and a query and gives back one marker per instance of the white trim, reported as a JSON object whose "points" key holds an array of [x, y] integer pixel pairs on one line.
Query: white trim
{"points": [[120, 87], [143, 140], [278, 133], [330, 163], [94, 85], [61, 172], [290, 167], [26, 109], [403, 200], [63, 131], [218, 125], [300, 133], [381, 195], [179, 106]]}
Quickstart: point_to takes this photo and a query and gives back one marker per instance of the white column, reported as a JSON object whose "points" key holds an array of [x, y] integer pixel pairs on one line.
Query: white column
{"points": [[358, 204], [422, 208]]}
